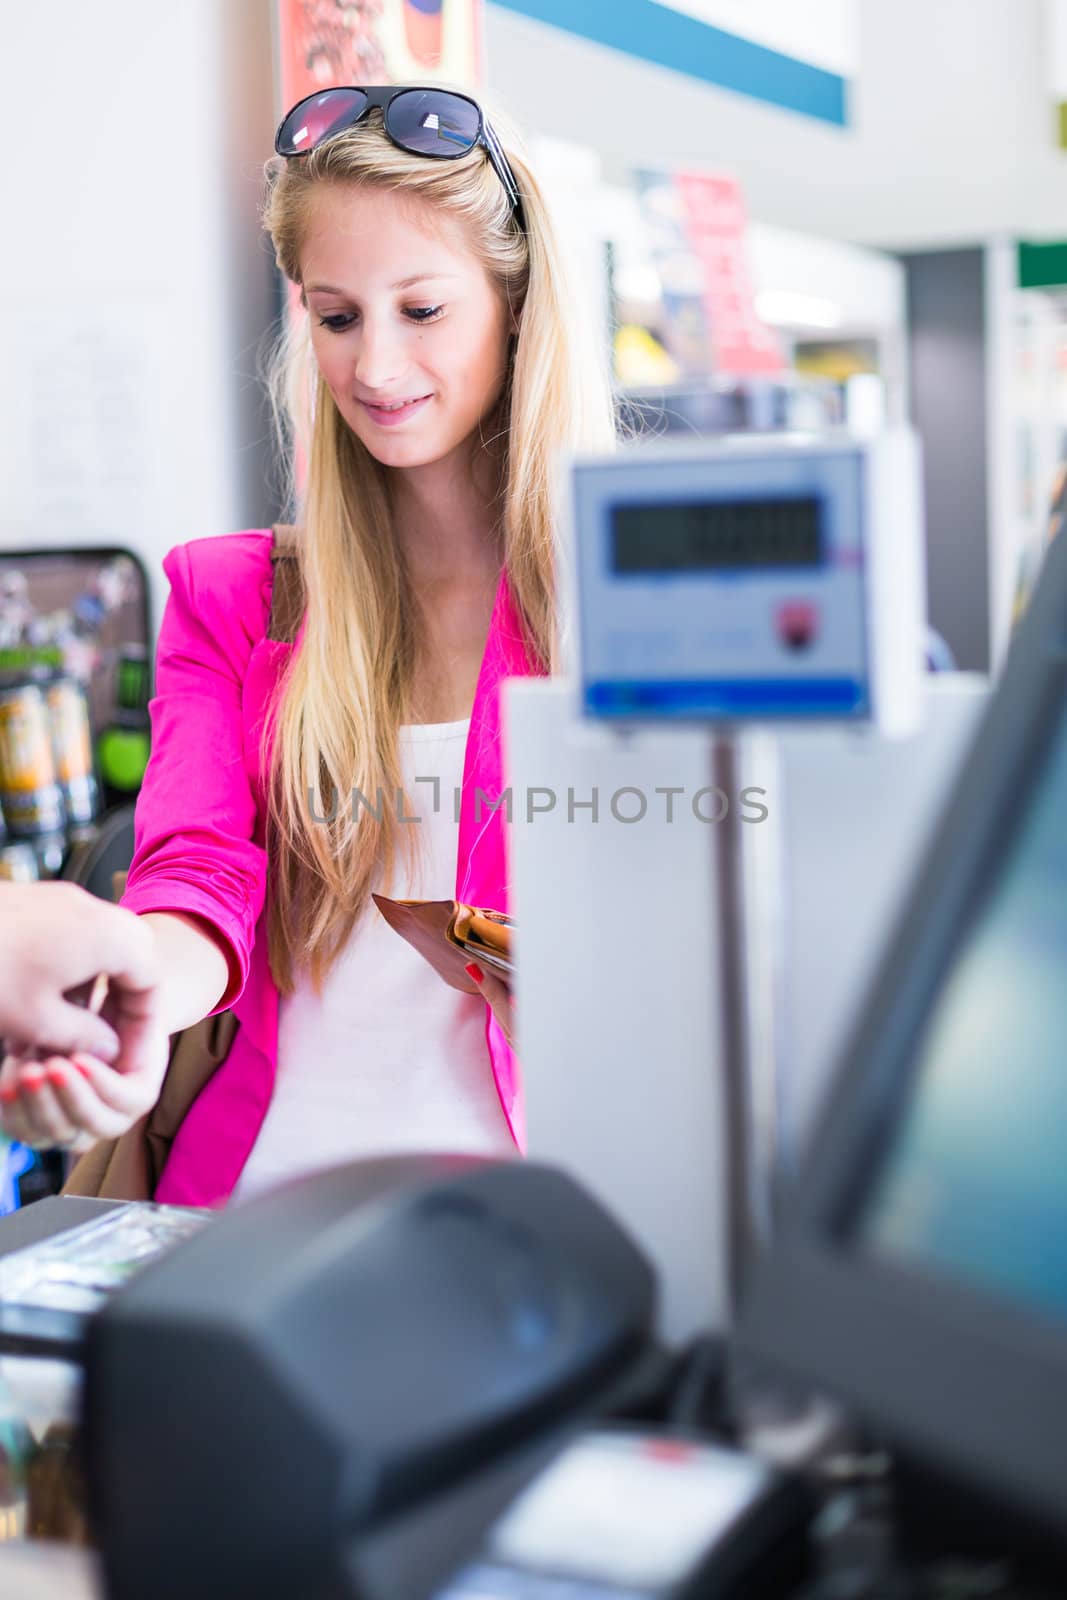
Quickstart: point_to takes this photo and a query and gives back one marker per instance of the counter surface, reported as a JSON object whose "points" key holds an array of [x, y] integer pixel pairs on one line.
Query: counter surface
{"points": [[50, 1572]]}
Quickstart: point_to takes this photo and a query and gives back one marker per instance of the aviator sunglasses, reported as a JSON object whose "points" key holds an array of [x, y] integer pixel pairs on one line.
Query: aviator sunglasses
{"points": [[427, 122]]}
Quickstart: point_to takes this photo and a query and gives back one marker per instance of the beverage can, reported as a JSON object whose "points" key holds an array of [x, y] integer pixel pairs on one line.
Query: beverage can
{"points": [[132, 688], [72, 746], [29, 789]]}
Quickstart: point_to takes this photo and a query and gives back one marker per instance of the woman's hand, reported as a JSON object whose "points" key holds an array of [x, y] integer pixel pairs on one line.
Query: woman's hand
{"points": [[74, 1101], [499, 998], [72, 1098]]}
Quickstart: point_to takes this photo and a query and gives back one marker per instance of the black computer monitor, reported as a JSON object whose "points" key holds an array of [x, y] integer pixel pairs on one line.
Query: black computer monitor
{"points": [[920, 1273]]}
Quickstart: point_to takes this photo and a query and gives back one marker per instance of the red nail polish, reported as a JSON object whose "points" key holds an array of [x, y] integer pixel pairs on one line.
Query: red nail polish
{"points": [[81, 1067], [8, 1095], [34, 1084], [55, 1075], [474, 972]]}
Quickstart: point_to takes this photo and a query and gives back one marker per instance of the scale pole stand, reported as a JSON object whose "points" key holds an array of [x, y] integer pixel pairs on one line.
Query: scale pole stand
{"points": [[750, 903]]}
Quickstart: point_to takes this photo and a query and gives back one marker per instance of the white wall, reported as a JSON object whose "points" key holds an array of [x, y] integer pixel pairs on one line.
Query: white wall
{"points": [[951, 139], [134, 280]]}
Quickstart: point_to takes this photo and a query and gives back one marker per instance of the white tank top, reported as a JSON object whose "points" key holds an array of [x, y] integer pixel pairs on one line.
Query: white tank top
{"points": [[389, 1058]]}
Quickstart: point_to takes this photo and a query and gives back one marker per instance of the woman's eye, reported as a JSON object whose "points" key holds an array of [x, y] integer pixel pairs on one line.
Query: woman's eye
{"points": [[336, 323], [424, 313]]}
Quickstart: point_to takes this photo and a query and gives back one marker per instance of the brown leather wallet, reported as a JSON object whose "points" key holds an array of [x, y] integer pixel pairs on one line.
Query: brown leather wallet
{"points": [[450, 934]]}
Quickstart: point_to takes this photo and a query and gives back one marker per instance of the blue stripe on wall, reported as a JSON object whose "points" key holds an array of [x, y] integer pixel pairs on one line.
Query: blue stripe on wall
{"points": [[673, 39]]}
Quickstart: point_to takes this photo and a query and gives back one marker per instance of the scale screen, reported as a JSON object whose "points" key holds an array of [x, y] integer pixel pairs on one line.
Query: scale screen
{"points": [[726, 583], [717, 535]]}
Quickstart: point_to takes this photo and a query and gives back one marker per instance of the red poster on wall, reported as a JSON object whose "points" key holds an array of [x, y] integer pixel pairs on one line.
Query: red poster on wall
{"points": [[327, 42], [714, 218]]}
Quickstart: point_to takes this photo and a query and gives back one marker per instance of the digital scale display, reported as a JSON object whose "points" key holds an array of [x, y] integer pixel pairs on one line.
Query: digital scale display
{"points": [[716, 536], [763, 579]]}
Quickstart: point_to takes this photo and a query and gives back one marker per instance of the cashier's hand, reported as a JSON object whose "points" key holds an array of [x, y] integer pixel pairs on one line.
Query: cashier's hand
{"points": [[55, 938], [68, 1077], [499, 998]]}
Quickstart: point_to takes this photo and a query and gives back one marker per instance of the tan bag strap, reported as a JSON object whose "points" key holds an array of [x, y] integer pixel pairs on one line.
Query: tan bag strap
{"points": [[287, 592]]}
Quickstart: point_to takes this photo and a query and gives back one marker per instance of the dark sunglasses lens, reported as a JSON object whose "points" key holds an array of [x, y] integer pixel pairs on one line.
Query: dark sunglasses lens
{"points": [[314, 120], [432, 122]]}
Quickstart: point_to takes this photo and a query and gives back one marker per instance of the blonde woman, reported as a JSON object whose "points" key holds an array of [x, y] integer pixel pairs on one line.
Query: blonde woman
{"points": [[441, 377]]}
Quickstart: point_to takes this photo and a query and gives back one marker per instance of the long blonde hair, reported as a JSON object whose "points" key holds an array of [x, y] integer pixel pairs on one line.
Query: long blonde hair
{"points": [[348, 689]]}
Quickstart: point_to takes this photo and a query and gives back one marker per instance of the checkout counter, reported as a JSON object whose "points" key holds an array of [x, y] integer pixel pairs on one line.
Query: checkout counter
{"points": [[846, 1372]]}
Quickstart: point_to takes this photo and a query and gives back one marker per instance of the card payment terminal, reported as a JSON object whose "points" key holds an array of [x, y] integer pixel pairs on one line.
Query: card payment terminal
{"points": [[623, 1514]]}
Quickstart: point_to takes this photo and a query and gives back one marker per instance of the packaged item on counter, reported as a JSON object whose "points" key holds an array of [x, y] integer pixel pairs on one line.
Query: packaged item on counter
{"points": [[49, 1289], [29, 789], [19, 864], [72, 747]]}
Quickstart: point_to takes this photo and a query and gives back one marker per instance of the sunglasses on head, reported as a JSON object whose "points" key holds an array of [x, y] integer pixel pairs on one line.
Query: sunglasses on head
{"points": [[427, 122]]}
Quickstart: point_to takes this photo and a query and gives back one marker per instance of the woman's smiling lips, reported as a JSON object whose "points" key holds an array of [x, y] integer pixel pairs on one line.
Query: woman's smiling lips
{"points": [[388, 414]]}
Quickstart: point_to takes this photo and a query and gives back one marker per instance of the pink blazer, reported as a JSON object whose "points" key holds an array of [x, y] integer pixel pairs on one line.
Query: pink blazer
{"points": [[200, 827]]}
